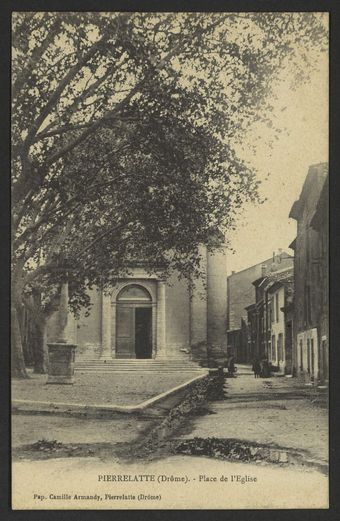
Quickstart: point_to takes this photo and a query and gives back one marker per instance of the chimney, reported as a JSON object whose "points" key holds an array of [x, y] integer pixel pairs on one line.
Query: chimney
{"points": [[263, 270]]}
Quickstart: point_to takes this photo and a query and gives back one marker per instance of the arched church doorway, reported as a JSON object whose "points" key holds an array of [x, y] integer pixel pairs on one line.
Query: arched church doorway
{"points": [[134, 323]]}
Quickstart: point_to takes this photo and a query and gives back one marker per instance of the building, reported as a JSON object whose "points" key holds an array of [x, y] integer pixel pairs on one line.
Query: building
{"points": [[146, 317], [270, 319], [279, 293], [258, 338], [310, 333], [241, 295]]}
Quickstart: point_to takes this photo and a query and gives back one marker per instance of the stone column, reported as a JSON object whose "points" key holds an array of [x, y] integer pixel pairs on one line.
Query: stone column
{"points": [[63, 314], [198, 304], [154, 330], [106, 351], [217, 301], [61, 352], [113, 328], [161, 335]]}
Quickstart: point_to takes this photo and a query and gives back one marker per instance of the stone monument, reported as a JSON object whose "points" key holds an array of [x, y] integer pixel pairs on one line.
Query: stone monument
{"points": [[61, 352]]}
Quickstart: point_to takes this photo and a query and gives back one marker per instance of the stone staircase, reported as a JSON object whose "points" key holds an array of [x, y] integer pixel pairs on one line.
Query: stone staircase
{"points": [[132, 365]]}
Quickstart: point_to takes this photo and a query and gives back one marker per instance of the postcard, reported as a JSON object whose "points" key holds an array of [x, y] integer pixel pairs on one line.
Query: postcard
{"points": [[169, 305]]}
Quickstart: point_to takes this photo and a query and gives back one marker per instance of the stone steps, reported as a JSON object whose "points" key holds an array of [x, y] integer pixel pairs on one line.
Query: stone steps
{"points": [[138, 360], [124, 365], [140, 370]]}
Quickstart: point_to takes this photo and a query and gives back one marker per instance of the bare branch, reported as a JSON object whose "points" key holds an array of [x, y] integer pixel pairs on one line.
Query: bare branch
{"points": [[61, 130], [60, 88]]}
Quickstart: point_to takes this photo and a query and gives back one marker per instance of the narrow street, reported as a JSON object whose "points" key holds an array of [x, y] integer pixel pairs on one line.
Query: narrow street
{"points": [[279, 412]]}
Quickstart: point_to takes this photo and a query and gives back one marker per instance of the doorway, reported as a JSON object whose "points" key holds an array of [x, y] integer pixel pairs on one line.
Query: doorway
{"points": [[143, 344], [134, 323]]}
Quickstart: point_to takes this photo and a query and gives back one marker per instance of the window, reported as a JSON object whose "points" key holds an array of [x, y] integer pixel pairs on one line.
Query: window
{"points": [[308, 355], [301, 356], [324, 359], [272, 313], [280, 346], [312, 355], [277, 306], [133, 292], [273, 348]]}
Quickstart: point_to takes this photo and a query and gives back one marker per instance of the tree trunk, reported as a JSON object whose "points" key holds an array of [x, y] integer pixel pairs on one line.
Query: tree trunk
{"points": [[39, 346], [18, 368]]}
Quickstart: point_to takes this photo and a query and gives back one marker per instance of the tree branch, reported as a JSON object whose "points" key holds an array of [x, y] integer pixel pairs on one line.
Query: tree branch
{"points": [[60, 88], [60, 153], [100, 237], [88, 92]]}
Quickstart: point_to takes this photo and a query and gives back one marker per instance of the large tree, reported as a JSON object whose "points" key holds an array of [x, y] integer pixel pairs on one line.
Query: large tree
{"points": [[125, 129]]}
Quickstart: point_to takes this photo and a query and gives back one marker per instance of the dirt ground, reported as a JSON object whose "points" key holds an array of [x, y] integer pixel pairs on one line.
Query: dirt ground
{"points": [[29, 429], [100, 388], [277, 412], [267, 411]]}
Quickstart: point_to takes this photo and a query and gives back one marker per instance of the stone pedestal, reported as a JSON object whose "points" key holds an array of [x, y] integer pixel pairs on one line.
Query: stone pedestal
{"points": [[61, 363]]}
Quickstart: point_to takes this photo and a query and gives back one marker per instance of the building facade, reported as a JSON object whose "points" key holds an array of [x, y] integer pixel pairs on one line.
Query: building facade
{"points": [[310, 354], [280, 322], [147, 317], [241, 297], [270, 320]]}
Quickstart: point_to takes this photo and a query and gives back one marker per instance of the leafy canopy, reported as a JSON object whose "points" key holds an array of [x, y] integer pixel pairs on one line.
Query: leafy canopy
{"points": [[125, 129]]}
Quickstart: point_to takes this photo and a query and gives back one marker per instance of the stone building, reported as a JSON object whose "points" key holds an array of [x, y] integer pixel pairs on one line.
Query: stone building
{"points": [[320, 223], [269, 319], [279, 296], [241, 295], [310, 354], [146, 317]]}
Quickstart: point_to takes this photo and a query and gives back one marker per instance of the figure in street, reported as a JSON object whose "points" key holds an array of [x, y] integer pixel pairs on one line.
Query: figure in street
{"points": [[265, 370], [231, 366], [256, 367]]}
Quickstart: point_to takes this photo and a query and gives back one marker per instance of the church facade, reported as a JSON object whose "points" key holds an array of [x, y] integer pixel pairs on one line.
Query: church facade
{"points": [[147, 317]]}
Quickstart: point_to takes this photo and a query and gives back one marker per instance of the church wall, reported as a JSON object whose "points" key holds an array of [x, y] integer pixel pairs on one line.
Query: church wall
{"points": [[188, 321], [177, 315], [217, 299], [198, 318]]}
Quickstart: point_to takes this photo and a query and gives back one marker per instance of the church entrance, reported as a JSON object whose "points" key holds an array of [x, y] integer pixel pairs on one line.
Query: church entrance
{"points": [[143, 319], [134, 323]]}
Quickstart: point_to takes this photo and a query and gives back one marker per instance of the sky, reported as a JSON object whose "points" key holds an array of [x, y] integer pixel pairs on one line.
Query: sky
{"points": [[263, 229]]}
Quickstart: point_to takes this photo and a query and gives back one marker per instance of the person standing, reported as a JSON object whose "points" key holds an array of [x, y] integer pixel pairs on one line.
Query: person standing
{"points": [[265, 370], [231, 366], [256, 368]]}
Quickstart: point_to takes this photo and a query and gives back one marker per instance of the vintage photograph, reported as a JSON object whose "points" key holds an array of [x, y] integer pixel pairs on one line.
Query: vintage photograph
{"points": [[169, 284]]}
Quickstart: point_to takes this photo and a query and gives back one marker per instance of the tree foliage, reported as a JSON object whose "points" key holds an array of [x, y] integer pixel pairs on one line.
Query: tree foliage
{"points": [[124, 135]]}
